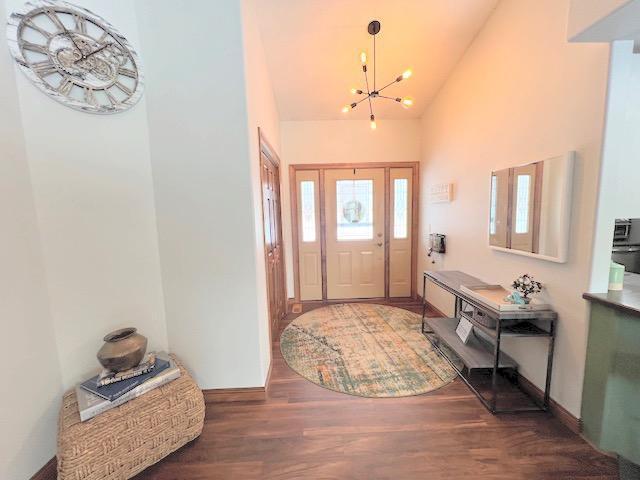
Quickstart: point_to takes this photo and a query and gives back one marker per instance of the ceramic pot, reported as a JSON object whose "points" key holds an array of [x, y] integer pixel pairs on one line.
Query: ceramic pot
{"points": [[123, 349]]}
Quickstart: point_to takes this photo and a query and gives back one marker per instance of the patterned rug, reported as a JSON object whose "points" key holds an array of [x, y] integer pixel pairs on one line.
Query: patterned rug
{"points": [[364, 349]]}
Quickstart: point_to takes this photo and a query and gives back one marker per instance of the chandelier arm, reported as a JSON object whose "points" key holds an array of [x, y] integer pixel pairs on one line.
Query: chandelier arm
{"points": [[366, 79], [389, 98], [362, 99], [370, 106], [388, 85]]}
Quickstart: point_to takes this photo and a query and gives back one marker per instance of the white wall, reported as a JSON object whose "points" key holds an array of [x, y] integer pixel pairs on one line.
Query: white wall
{"points": [[341, 141], [263, 113], [30, 370], [520, 94], [80, 252], [93, 193], [198, 127], [619, 195]]}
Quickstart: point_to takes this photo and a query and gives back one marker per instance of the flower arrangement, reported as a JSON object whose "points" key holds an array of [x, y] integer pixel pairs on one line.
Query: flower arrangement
{"points": [[526, 285]]}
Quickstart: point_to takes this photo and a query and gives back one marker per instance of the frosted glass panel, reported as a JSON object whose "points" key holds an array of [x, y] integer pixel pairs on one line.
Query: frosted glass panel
{"points": [[400, 207], [522, 203], [308, 208], [354, 201], [494, 205]]}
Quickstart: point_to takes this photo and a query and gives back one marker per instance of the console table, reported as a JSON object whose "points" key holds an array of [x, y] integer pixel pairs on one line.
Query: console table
{"points": [[482, 351]]}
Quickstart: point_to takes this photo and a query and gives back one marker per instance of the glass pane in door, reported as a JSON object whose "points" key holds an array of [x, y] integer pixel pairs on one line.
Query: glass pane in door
{"points": [[354, 201]]}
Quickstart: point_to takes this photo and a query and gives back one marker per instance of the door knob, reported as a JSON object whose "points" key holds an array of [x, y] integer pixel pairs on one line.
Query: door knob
{"points": [[379, 244]]}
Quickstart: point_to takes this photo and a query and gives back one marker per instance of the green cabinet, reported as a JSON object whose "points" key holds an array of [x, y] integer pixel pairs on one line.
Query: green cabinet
{"points": [[611, 395]]}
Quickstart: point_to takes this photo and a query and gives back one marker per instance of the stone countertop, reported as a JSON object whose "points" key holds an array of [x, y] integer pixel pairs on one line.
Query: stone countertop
{"points": [[626, 300]]}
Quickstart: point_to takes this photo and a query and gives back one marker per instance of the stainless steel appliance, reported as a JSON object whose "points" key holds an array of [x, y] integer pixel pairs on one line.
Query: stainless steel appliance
{"points": [[622, 231], [626, 244]]}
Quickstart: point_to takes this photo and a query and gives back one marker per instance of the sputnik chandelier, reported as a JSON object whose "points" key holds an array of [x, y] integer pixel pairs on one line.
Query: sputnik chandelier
{"points": [[371, 95]]}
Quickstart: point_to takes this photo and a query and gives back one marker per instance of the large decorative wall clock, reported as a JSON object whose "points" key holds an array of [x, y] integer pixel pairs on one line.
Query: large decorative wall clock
{"points": [[75, 56]]}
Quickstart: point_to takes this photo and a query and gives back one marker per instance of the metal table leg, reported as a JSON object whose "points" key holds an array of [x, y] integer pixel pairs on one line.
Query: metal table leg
{"points": [[424, 300], [547, 386], [494, 374]]}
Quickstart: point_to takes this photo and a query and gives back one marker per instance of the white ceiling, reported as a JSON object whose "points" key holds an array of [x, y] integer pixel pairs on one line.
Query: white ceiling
{"points": [[312, 50]]}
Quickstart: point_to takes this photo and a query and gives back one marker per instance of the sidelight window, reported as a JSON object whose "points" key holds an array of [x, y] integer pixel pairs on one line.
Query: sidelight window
{"points": [[400, 207], [522, 203], [308, 209]]}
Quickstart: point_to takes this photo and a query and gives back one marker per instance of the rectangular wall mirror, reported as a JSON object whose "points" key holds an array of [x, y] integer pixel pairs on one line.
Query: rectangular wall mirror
{"points": [[530, 208]]}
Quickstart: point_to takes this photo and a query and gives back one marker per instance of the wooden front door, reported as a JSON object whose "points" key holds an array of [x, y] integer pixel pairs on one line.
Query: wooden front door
{"points": [[272, 218], [355, 233]]}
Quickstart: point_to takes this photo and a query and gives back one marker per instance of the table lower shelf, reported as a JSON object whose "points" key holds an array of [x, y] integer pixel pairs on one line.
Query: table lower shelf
{"points": [[475, 354]]}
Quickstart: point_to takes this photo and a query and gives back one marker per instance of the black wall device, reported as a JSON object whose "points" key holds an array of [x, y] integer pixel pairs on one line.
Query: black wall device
{"points": [[438, 243]]}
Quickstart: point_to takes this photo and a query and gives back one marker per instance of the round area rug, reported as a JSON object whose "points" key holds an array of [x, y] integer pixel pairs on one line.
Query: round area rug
{"points": [[364, 349]]}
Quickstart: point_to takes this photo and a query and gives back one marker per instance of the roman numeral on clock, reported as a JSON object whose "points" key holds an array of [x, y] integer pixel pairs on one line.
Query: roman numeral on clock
{"points": [[56, 21], [65, 87], [127, 72], [34, 47], [89, 96], [126, 90], [44, 68], [81, 24]]}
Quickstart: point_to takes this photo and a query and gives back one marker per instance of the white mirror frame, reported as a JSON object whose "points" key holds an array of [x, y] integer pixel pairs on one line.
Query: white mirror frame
{"points": [[565, 217]]}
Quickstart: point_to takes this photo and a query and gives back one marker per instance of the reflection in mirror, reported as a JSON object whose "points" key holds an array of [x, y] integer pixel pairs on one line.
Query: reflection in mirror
{"points": [[530, 207], [499, 208]]}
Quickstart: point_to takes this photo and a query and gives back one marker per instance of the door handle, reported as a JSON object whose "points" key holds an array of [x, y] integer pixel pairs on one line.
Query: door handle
{"points": [[379, 244]]}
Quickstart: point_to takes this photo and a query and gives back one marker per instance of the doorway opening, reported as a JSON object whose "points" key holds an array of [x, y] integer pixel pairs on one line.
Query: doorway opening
{"points": [[354, 230]]}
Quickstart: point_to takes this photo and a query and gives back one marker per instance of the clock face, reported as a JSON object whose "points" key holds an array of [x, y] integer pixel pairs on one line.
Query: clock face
{"points": [[75, 57]]}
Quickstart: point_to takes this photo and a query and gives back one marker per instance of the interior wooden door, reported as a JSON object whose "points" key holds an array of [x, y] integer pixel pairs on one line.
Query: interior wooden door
{"points": [[355, 238], [272, 219]]}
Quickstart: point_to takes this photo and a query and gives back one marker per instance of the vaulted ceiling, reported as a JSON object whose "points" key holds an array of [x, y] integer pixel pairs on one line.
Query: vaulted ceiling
{"points": [[312, 49]]}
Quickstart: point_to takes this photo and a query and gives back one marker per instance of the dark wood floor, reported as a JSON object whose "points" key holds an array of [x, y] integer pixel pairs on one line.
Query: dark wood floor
{"points": [[304, 431]]}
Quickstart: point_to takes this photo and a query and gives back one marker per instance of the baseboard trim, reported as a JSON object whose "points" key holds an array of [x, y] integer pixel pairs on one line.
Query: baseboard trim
{"points": [[225, 395], [431, 306], [572, 423], [48, 472], [250, 394]]}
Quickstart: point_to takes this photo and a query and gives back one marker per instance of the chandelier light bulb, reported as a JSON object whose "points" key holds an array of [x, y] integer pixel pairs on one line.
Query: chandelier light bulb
{"points": [[406, 74], [373, 123], [346, 109], [407, 102], [363, 57]]}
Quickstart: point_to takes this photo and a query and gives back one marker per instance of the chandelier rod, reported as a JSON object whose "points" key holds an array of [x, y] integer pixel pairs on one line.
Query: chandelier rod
{"points": [[374, 63]]}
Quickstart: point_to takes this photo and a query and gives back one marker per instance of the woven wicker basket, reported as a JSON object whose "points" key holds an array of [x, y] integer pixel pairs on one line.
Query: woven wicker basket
{"points": [[120, 443]]}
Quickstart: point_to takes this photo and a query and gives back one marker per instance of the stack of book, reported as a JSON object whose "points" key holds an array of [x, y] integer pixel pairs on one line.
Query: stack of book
{"points": [[108, 390]]}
